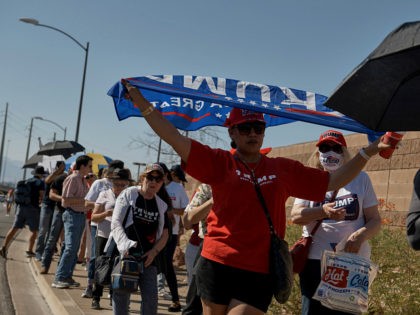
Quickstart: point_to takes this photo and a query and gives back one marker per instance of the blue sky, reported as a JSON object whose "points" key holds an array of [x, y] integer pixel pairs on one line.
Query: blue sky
{"points": [[308, 45]]}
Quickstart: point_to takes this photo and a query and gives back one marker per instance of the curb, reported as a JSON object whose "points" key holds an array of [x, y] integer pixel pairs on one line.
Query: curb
{"points": [[55, 304]]}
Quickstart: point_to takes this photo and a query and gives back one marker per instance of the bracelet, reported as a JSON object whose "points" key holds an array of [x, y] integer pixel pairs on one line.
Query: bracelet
{"points": [[147, 111], [364, 155]]}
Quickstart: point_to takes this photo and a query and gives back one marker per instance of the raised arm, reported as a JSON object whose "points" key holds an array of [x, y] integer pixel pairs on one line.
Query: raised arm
{"points": [[163, 128], [351, 169]]}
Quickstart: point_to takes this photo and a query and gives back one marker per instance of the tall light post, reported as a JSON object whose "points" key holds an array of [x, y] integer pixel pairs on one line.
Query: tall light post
{"points": [[54, 123], [85, 48], [29, 143], [5, 162]]}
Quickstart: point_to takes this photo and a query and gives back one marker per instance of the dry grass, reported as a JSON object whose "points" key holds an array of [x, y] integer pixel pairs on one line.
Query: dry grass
{"points": [[396, 289]]}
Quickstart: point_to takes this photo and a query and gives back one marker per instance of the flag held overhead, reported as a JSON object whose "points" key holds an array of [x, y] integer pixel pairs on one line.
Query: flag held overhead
{"points": [[193, 102]]}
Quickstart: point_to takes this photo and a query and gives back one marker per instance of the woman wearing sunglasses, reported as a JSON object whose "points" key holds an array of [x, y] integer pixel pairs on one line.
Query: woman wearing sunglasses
{"points": [[348, 215], [144, 235], [233, 271]]}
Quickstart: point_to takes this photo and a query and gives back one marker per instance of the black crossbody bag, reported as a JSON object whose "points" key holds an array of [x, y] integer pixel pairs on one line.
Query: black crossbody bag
{"points": [[281, 265]]}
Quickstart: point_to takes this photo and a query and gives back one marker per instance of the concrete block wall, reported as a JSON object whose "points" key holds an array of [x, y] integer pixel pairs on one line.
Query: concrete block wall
{"points": [[392, 179]]}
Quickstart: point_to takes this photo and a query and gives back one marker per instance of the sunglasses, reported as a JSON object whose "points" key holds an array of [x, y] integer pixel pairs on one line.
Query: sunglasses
{"points": [[157, 179], [324, 148], [245, 128], [90, 176]]}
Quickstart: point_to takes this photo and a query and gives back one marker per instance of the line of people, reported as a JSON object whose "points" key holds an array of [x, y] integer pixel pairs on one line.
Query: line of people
{"points": [[77, 204]]}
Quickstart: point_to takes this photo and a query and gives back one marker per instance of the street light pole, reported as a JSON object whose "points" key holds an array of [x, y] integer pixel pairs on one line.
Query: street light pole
{"points": [[86, 49], [54, 123], [29, 144]]}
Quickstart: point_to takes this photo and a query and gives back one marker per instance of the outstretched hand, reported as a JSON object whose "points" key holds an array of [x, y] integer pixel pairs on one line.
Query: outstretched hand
{"points": [[376, 146], [133, 94]]}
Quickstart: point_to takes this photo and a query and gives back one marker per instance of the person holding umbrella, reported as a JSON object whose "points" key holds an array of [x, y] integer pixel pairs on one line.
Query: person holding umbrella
{"points": [[233, 270]]}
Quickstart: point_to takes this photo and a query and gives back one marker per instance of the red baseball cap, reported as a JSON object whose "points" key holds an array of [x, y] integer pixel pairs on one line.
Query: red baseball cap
{"points": [[332, 136], [238, 116]]}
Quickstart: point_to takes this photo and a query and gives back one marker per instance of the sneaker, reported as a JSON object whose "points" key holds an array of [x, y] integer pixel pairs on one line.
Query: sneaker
{"points": [[60, 284], [43, 271], [165, 295], [95, 305], [3, 252], [72, 283], [30, 254], [88, 292], [174, 307]]}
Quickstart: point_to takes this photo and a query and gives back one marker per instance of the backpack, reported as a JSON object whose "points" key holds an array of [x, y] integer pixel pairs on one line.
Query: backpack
{"points": [[23, 192]]}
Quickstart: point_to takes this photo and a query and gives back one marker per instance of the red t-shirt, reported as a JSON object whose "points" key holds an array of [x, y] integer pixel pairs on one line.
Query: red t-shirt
{"points": [[237, 229]]}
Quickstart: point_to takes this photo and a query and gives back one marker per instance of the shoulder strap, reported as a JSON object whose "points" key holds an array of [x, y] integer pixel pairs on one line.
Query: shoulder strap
{"points": [[260, 196]]}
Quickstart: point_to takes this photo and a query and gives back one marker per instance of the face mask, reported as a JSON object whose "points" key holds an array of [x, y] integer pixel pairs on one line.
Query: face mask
{"points": [[330, 161]]}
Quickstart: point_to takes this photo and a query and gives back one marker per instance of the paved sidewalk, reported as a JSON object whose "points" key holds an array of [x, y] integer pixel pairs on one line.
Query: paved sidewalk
{"points": [[69, 301]]}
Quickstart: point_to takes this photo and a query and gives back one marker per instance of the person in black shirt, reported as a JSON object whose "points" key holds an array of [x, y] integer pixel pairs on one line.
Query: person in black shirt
{"points": [[413, 217], [144, 235], [47, 211], [28, 214], [55, 192]]}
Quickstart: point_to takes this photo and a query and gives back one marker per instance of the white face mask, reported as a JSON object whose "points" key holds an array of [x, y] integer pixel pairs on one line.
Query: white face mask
{"points": [[331, 160]]}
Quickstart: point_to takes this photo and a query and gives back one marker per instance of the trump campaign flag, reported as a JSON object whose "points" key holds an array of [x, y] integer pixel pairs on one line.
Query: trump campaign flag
{"points": [[192, 102]]}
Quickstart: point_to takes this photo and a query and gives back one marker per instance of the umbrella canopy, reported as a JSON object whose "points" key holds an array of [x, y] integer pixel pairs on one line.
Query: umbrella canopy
{"points": [[383, 92], [48, 162], [64, 147], [33, 161], [99, 161]]}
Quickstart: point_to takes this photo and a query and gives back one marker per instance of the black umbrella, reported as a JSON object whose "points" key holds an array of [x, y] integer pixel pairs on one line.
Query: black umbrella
{"points": [[64, 147], [383, 92], [33, 161]]}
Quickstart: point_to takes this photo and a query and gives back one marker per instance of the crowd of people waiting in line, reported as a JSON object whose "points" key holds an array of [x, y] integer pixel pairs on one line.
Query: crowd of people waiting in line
{"points": [[227, 256], [79, 206]]}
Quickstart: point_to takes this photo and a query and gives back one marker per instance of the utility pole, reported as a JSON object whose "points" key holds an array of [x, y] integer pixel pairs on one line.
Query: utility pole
{"points": [[2, 138]]}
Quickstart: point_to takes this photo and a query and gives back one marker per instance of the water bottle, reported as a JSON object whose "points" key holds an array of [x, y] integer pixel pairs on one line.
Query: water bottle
{"points": [[392, 138]]}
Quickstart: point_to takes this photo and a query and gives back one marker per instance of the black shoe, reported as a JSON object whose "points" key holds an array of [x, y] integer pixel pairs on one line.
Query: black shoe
{"points": [[3, 252], [30, 254], [95, 305], [174, 307]]}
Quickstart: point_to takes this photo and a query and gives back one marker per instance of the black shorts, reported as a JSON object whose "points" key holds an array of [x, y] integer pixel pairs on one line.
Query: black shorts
{"points": [[220, 284]]}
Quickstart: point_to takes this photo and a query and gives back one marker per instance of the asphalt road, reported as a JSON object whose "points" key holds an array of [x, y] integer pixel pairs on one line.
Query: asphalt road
{"points": [[6, 305], [19, 293]]}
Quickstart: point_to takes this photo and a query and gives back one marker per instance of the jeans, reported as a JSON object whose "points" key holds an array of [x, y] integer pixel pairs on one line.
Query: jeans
{"points": [[309, 280], [91, 267], [74, 224], [190, 257], [55, 230], [43, 230], [149, 298], [193, 304], [170, 271]]}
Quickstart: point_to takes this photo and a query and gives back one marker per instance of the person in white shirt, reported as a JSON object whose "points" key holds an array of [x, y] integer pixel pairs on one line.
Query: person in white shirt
{"points": [[349, 216], [90, 199]]}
